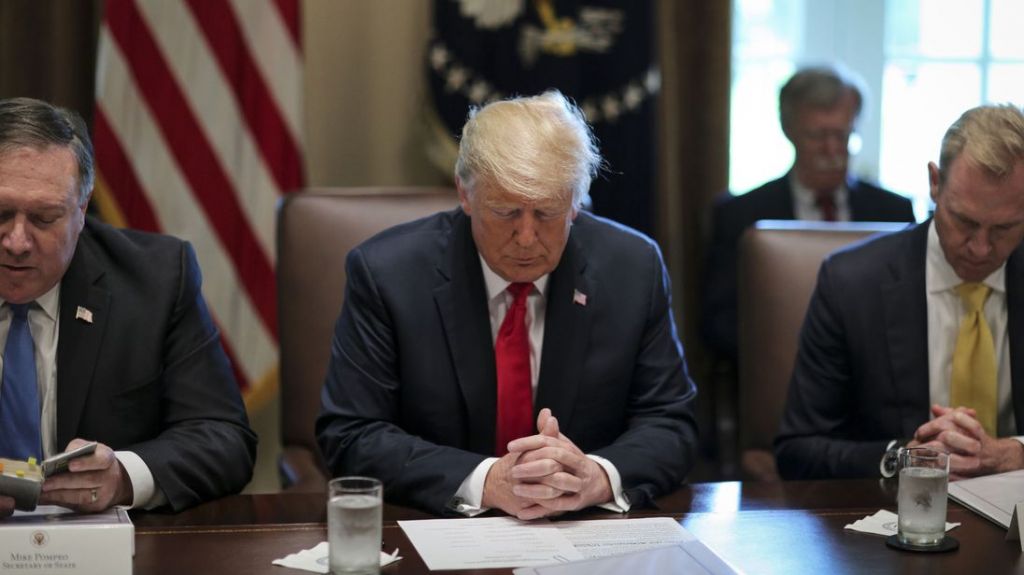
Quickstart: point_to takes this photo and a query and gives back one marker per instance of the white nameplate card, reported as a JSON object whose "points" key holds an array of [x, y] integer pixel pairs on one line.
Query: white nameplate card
{"points": [[1016, 529], [55, 540]]}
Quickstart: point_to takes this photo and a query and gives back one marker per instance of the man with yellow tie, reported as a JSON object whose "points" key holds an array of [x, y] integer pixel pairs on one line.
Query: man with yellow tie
{"points": [[917, 338]]}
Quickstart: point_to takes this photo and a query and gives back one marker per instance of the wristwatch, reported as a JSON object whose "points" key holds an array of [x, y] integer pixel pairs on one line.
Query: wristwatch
{"points": [[891, 457]]}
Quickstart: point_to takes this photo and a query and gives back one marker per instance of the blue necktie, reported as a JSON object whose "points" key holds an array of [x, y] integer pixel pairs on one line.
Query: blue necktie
{"points": [[19, 396]]}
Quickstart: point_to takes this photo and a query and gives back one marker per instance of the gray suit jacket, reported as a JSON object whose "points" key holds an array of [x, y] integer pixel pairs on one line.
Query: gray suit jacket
{"points": [[861, 372], [410, 395]]}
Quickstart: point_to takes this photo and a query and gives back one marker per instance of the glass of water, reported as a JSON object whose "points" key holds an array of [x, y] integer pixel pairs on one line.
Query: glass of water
{"points": [[354, 513], [921, 499]]}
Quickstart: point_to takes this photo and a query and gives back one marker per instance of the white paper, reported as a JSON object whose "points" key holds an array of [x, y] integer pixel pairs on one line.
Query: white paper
{"points": [[317, 559], [604, 537], [690, 557], [883, 522], [992, 496], [488, 543], [507, 542]]}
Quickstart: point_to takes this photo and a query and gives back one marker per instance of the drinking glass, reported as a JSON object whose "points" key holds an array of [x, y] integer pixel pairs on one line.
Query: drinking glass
{"points": [[921, 499], [354, 513]]}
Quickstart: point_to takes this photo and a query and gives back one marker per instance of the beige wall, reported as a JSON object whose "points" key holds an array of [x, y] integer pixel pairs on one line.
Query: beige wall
{"points": [[366, 92]]}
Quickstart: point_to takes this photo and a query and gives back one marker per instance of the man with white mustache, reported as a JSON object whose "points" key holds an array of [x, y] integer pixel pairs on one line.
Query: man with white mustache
{"points": [[818, 109]]}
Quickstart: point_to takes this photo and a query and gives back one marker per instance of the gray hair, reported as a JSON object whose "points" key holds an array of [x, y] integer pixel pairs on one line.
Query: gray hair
{"points": [[820, 87], [26, 122], [990, 136], [536, 147]]}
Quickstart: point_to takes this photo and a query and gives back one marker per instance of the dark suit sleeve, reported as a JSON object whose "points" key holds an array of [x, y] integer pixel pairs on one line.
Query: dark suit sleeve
{"points": [[358, 430], [205, 448], [815, 440], [657, 449]]}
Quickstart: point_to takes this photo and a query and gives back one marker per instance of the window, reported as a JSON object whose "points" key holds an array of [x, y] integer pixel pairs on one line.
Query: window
{"points": [[924, 61]]}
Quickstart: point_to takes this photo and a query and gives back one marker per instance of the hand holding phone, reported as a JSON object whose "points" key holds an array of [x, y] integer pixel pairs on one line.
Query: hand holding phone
{"points": [[59, 463]]}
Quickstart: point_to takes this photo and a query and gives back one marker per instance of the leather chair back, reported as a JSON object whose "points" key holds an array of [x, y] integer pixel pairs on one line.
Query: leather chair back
{"points": [[315, 231], [778, 268]]}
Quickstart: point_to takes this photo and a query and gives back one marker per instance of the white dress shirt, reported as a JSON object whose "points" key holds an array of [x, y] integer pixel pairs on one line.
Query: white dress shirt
{"points": [[45, 328], [471, 492], [945, 310], [805, 202]]}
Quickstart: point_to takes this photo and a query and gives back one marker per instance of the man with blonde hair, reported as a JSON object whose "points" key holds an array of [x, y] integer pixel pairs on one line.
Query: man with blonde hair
{"points": [[515, 353], [915, 338]]}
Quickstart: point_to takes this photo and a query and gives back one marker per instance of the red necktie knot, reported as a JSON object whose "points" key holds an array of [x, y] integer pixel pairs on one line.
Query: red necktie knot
{"points": [[512, 360], [827, 204]]}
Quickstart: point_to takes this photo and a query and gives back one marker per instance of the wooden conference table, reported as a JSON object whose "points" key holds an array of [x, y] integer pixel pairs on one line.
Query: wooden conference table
{"points": [[789, 527]]}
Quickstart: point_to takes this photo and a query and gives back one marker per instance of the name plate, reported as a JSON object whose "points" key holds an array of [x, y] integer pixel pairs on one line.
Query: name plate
{"points": [[54, 540]]}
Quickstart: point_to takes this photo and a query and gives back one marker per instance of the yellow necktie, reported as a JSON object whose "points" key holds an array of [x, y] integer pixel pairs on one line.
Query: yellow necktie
{"points": [[974, 359]]}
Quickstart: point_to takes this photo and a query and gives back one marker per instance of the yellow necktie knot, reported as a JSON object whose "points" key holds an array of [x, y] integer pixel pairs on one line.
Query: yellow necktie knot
{"points": [[973, 295], [974, 359]]}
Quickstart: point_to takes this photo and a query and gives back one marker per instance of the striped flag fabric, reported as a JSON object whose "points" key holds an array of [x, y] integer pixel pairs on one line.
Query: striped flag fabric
{"points": [[198, 133]]}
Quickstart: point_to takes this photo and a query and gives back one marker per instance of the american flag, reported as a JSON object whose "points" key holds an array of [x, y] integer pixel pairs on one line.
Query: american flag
{"points": [[198, 131]]}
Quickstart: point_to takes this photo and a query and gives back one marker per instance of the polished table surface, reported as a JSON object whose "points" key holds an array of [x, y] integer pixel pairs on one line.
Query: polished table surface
{"points": [[789, 527]]}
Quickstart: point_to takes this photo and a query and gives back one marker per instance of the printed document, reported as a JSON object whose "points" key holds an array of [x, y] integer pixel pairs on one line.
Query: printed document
{"points": [[496, 542]]}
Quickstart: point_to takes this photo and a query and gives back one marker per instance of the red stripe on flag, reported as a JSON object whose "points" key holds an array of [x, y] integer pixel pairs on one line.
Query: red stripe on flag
{"points": [[278, 147], [120, 176], [291, 14], [196, 158]]}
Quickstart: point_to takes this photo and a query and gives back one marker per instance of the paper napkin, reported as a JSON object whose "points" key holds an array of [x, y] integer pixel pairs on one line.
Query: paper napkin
{"points": [[316, 559], [882, 523]]}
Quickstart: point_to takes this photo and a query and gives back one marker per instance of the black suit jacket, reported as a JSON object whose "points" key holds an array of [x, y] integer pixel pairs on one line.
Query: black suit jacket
{"points": [[861, 373], [148, 373], [410, 394], [732, 215]]}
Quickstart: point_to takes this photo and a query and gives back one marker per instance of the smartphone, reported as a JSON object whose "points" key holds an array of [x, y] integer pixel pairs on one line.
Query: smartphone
{"points": [[59, 463]]}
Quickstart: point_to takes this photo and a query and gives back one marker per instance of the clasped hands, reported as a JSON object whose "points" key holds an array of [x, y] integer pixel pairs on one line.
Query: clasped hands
{"points": [[972, 451], [545, 474], [92, 483]]}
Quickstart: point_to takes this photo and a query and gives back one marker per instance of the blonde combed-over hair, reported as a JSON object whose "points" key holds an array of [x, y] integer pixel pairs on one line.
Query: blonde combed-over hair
{"points": [[538, 148]]}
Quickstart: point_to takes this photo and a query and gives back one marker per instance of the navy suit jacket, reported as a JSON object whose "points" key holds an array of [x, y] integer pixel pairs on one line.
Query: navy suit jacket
{"points": [[732, 215], [410, 393], [147, 373], [861, 372]]}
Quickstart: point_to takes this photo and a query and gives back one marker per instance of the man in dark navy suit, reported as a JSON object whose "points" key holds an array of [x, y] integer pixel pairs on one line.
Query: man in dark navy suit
{"points": [[119, 347], [915, 338], [515, 353], [818, 109]]}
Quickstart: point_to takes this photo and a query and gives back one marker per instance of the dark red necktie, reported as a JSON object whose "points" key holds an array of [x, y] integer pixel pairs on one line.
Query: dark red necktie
{"points": [[512, 358], [827, 205]]}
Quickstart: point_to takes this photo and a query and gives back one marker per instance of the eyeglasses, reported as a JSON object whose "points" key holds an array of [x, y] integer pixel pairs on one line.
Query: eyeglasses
{"points": [[822, 135]]}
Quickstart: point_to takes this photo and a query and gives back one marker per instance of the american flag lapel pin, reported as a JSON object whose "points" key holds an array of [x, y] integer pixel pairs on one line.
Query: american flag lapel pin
{"points": [[83, 314], [579, 298]]}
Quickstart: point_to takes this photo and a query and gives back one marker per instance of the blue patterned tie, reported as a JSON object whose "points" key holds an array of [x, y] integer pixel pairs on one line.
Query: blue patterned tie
{"points": [[19, 396]]}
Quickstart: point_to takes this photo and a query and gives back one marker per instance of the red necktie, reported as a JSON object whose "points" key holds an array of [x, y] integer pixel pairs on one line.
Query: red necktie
{"points": [[827, 205], [512, 358]]}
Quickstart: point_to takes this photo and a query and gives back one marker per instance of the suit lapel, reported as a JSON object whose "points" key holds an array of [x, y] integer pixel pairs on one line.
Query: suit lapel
{"points": [[462, 304], [858, 211], [566, 333], [782, 202], [78, 344], [1015, 331], [906, 329]]}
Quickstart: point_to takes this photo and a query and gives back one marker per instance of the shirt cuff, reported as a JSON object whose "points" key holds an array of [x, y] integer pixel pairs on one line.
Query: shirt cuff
{"points": [[144, 490], [469, 498], [620, 503]]}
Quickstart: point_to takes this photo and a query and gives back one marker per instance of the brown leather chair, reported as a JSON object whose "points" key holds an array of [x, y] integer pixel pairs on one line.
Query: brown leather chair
{"points": [[778, 268], [315, 231]]}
